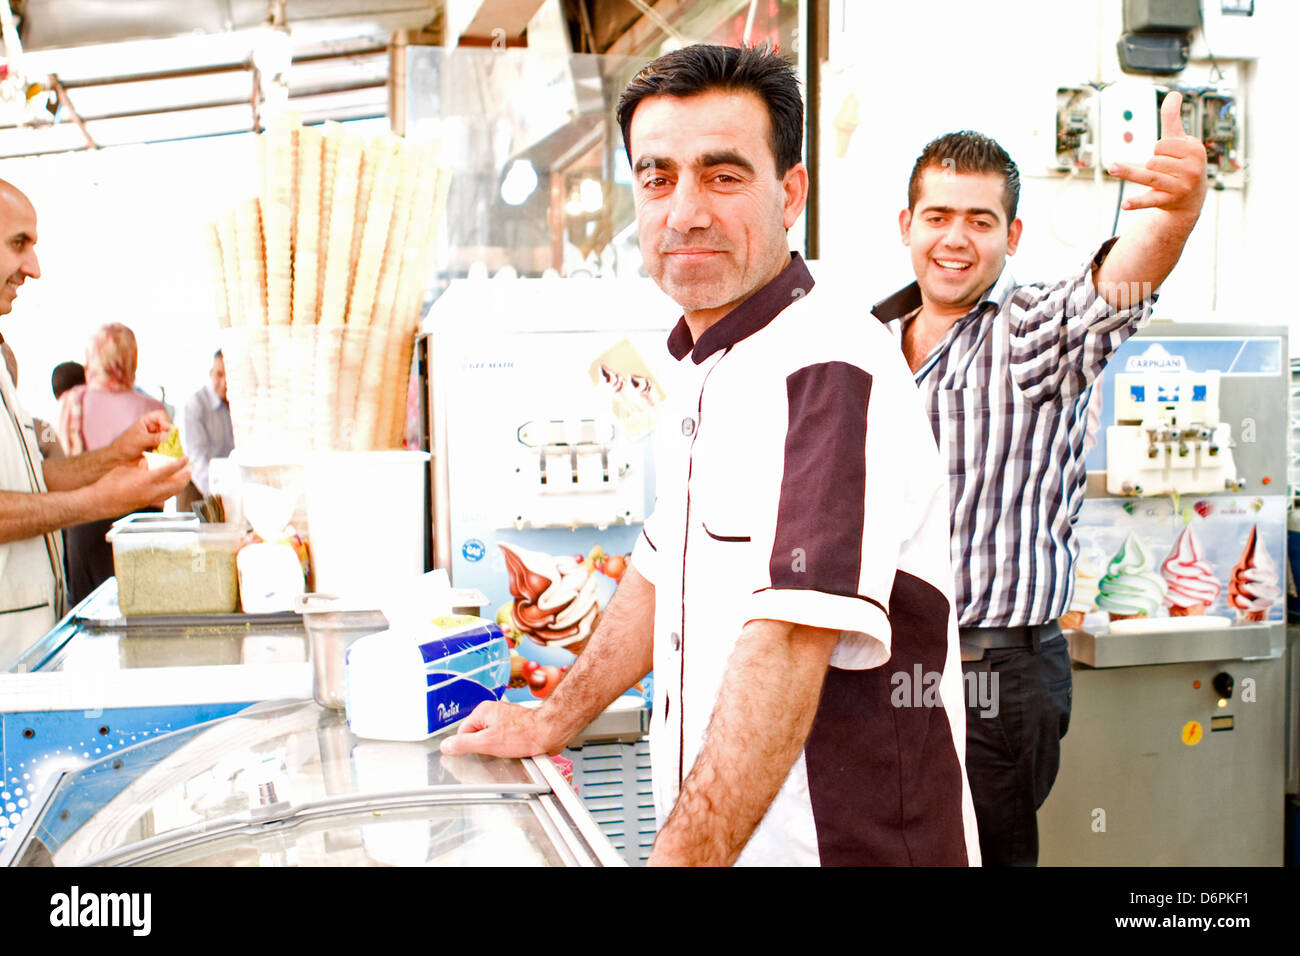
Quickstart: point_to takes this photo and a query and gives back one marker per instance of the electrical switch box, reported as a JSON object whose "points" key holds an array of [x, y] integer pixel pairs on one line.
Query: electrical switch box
{"points": [[1128, 122], [1076, 127], [1217, 128]]}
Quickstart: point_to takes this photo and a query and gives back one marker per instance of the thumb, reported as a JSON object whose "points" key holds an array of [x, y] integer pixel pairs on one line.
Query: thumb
{"points": [[1171, 115]]}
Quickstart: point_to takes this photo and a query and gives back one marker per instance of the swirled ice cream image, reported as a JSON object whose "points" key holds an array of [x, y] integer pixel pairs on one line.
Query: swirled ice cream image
{"points": [[1130, 587], [1084, 597], [1254, 585], [1192, 584], [555, 596]]}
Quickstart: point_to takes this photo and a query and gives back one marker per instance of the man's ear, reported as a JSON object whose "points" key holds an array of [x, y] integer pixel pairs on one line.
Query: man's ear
{"points": [[905, 226], [1013, 237], [794, 186]]}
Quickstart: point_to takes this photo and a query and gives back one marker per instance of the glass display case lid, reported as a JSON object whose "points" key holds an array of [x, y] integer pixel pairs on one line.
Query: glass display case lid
{"points": [[290, 785]]}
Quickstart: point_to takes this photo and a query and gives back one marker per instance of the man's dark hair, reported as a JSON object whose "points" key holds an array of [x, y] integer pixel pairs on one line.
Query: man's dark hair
{"points": [[705, 68], [65, 376], [968, 152], [217, 355]]}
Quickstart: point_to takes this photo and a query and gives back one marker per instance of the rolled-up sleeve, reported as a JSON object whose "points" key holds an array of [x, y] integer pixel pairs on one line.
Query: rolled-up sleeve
{"points": [[834, 544]]}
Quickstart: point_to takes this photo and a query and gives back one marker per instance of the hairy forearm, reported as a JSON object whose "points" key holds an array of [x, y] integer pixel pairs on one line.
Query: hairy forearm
{"points": [[618, 655], [1143, 257], [764, 712], [77, 471], [28, 515]]}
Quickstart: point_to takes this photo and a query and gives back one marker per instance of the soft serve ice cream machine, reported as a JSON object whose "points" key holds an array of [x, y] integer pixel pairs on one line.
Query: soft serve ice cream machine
{"points": [[1175, 753], [1168, 437], [542, 394]]}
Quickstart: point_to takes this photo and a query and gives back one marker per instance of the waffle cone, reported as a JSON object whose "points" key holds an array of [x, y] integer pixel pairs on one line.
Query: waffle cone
{"points": [[392, 409], [217, 271], [252, 267], [352, 356], [1192, 610], [370, 395], [374, 242], [229, 244], [1125, 617], [329, 347], [338, 273], [306, 253]]}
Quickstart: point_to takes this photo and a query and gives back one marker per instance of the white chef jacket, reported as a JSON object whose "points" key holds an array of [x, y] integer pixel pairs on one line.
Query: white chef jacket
{"points": [[30, 569], [798, 480]]}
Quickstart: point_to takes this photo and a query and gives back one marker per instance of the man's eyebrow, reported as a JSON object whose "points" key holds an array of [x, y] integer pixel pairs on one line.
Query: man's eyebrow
{"points": [[656, 162], [950, 210], [726, 157]]}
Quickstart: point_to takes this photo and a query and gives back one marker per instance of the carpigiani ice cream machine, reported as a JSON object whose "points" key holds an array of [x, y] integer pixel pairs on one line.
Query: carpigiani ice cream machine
{"points": [[541, 397], [1176, 748], [1168, 437]]}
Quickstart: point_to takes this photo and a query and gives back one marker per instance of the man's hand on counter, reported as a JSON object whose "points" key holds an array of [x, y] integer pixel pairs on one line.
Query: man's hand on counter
{"points": [[617, 656], [502, 730]]}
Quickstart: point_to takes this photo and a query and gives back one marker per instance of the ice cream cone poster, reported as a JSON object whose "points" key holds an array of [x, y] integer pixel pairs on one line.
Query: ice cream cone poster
{"points": [[557, 602], [1217, 557], [635, 395], [1254, 588], [1083, 598], [1192, 586], [1131, 587]]}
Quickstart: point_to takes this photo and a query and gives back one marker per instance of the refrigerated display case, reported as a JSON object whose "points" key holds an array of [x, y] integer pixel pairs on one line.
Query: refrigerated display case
{"points": [[287, 784]]}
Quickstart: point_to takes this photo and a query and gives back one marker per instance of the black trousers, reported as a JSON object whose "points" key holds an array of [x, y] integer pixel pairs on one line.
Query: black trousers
{"points": [[1013, 749]]}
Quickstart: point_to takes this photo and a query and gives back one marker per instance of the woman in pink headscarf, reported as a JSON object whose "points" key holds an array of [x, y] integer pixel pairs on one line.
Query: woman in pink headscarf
{"points": [[90, 417]]}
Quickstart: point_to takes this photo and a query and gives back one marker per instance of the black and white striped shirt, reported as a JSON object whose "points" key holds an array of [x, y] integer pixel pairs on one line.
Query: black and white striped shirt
{"points": [[1007, 388]]}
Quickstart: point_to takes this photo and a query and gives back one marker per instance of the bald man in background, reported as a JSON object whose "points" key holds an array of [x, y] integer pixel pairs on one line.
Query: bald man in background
{"points": [[39, 496]]}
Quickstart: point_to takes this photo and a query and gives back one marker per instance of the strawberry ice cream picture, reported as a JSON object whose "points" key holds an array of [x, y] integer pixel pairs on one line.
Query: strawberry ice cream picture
{"points": [[1192, 586], [1253, 589]]}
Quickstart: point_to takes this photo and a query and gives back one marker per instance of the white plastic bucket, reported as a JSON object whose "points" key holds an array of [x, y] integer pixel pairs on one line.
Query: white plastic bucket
{"points": [[366, 514]]}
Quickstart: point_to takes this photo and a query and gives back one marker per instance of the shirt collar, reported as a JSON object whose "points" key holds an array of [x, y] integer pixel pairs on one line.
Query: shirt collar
{"points": [[793, 282], [211, 398], [908, 299]]}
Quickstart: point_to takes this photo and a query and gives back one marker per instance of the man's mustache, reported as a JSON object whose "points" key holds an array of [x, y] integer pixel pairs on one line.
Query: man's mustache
{"points": [[704, 239]]}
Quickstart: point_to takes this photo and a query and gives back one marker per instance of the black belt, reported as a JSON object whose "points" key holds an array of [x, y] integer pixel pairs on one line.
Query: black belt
{"points": [[1023, 636]]}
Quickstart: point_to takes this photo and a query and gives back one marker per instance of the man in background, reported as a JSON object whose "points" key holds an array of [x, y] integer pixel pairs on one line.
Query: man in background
{"points": [[1007, 371], [206, 431], [66, 375]]}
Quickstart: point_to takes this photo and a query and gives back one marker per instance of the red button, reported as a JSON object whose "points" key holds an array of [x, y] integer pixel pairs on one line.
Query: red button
{"points": [[1128, 137]]}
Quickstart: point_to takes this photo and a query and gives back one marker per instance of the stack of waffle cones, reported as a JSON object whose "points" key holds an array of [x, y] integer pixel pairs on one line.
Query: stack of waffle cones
{"points": [[319, 283]]}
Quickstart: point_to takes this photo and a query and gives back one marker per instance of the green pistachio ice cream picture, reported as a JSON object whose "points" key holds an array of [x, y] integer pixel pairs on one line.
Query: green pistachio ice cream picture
{"points": [[1131, 587]]}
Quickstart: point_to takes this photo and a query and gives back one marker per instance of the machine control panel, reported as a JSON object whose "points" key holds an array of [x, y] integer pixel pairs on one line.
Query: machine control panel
{"points": [[573, 472], [1168, 438]]}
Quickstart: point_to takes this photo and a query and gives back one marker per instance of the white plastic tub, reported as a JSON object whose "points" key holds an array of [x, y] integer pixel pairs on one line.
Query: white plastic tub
{"points": [[366, 514]]}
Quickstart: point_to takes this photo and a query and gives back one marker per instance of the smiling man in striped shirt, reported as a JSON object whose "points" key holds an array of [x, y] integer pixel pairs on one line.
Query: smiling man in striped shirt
{"points": [[1006, 371]]}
